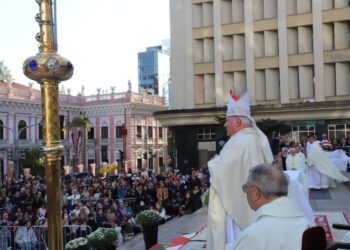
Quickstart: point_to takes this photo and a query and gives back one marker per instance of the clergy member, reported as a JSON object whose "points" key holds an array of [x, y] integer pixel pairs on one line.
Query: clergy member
{"points": [[301, 155], [294, 161], [278, 221], [321, 172], [228, 209]]}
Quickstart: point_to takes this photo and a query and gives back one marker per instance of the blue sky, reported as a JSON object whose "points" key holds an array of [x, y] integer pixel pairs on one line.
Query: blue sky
{"points": [[100, 37]]}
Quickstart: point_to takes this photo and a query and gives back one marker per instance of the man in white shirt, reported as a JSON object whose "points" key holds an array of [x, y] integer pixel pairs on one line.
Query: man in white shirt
{"points": [[278, 222], [26, 239]]}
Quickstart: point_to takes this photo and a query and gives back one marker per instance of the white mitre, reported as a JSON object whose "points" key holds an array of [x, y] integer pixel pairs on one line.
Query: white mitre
{"points": [[240, 106]]}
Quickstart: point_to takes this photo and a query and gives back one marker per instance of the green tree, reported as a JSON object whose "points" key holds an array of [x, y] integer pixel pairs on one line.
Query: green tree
{"points": [[220, 119], [268, 126], [34, 160], [82, 124]]}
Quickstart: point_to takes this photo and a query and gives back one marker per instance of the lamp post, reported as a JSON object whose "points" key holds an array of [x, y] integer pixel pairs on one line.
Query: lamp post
{"points": [[68, 162], [49, 69], [146, 149], [84, 146], [16, 142]]}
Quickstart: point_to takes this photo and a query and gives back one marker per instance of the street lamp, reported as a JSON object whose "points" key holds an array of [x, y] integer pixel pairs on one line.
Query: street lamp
{"points": [[16, 144], [146, 149], [67, 138]]}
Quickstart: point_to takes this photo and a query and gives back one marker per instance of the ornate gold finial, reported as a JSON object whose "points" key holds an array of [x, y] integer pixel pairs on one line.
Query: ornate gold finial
{"points": [[47, 64]]}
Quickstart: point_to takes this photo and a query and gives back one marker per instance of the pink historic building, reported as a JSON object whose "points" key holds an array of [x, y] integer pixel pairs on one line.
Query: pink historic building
{"points": [[122, 126]]}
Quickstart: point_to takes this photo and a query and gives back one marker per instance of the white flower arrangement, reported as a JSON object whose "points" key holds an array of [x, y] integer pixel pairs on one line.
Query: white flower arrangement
{"points": [[148, 218], [77, 244], [102, 238]]}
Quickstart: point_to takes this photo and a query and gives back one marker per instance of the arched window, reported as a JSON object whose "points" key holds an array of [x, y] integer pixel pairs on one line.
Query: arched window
{"points": [[1, 130], [23, 135]]}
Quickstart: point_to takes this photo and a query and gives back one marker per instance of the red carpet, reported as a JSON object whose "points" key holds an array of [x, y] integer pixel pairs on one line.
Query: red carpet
{"points": [[326, 219]]}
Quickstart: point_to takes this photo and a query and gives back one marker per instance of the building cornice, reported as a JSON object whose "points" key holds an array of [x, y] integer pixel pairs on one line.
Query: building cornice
{"points": [[283, 112], [7, 105]]}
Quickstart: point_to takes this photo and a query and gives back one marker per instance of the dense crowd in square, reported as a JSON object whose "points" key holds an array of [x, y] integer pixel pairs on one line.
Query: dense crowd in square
{"points": [[90, 202]]}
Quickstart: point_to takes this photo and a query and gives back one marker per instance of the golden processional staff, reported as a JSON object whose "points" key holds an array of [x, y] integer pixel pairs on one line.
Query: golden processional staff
{"points": [[49, 69]]}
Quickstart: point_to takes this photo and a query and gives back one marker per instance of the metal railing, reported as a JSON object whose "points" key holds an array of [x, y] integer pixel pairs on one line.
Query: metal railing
{"points": [[118, 140], [104, 141], [91, 142], [24, 142], [3, 143], [36, 237]]}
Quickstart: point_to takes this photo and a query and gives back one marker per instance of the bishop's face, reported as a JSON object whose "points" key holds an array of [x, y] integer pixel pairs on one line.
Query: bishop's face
{"points": [[231, 125]]}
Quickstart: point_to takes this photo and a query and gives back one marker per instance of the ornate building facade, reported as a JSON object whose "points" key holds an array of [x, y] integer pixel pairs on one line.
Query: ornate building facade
{"points": [[121, 127]]}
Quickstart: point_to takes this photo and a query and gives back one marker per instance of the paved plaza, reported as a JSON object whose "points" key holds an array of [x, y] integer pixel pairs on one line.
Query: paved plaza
{"points": [[337, 201]]}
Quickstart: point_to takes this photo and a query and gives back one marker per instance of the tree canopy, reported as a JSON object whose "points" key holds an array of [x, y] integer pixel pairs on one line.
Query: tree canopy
{"points": [[34, 160], [268, 126], [79, 122]]}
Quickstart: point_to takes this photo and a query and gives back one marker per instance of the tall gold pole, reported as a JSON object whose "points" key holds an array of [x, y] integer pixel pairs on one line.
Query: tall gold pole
{"points": [[49, 69]]}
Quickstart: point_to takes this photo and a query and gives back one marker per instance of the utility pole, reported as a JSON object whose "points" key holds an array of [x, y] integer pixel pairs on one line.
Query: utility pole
{"points": [[146, 139], [84, 146], [67, 138], [124, 134]]}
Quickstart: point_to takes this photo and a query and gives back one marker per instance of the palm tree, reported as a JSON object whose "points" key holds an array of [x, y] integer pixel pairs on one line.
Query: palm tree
{"points": [[81, 123], [5, 73]]}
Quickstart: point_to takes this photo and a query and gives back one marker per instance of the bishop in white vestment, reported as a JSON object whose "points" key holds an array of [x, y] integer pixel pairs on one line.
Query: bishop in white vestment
{"points": [[228, 211]]}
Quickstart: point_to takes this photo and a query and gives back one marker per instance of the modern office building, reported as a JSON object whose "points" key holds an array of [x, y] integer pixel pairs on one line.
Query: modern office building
{"points": [[144, 145], [292, 56], [154, 70]]}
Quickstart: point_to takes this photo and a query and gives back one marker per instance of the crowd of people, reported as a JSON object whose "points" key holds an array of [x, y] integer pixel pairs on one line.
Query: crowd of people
{"points": [[282, 150], [90, 202]]}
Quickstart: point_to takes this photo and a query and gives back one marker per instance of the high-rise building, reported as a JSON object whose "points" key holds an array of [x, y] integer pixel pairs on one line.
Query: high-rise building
{"points": [[292, 56], [154, 69]]}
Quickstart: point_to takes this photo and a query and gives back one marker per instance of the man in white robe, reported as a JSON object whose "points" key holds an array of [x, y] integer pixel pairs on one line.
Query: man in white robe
{"points": [[321, 172], [300, 154], [228, 210], [278, 222], [294, 161]]}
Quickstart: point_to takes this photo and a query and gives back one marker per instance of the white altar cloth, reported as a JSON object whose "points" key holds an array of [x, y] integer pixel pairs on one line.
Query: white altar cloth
{"points": [[339, 159], [299, 191]]}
